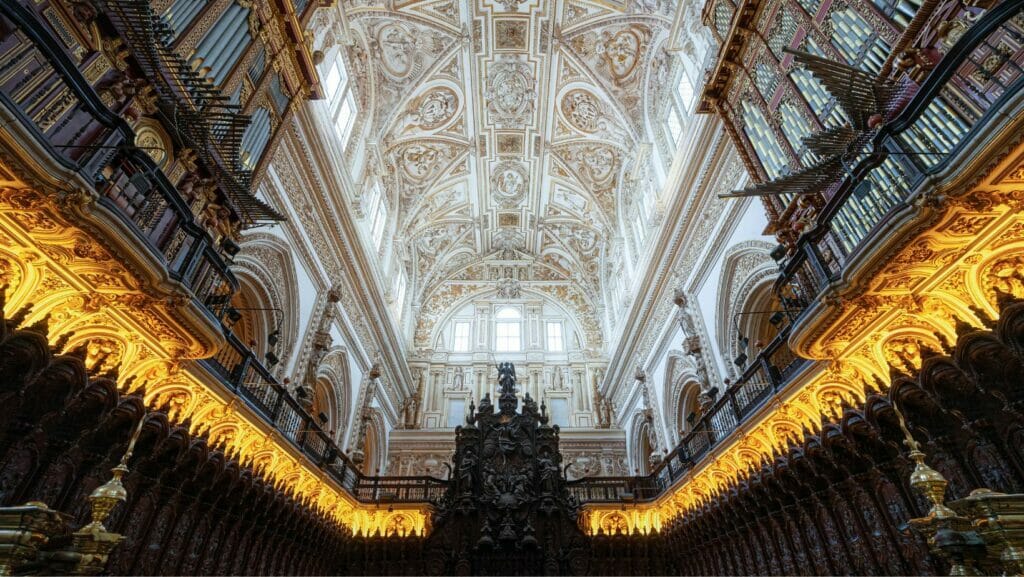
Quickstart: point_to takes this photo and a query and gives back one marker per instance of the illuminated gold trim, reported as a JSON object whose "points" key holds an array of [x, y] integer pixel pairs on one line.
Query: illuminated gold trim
{"points": [[948, 274], [90, 300]]}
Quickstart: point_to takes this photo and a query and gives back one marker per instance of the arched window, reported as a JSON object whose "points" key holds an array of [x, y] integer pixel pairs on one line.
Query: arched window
{"points": [[689, 408], [340, 101], [322, 408], [643, 457], [508, 330]]}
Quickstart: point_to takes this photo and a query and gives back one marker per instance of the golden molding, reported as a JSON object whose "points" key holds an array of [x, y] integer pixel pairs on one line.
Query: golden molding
{"points": [[947, 275], [88, 299]]}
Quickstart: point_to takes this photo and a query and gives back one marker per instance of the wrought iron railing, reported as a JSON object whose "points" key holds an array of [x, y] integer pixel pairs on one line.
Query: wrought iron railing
{"points": [[79, 131], [969, 89], [981, 76], [772, 369], [241, 370]]}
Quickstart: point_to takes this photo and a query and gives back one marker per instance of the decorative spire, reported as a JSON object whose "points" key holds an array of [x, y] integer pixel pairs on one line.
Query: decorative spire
{"points": [[924, 479]]}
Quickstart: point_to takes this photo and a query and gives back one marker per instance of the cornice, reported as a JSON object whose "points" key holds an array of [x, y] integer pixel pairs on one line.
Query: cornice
{"points": [[32, 163], [685, 209], [924, 207], [357, 269]]}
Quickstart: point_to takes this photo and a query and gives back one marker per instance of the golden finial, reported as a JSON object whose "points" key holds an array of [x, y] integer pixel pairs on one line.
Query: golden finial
{"points": [[105, 497], [924, 479]]}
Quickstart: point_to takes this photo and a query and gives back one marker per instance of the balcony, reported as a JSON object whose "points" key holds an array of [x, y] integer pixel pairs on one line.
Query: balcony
{"points": [[51, 97], [771, 371], [243, 373], [969, 93]]}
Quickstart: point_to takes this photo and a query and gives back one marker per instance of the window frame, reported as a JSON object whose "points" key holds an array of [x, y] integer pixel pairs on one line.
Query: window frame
{"points": [[503, 342], [456, 337], [559, 337], [339, 98]]}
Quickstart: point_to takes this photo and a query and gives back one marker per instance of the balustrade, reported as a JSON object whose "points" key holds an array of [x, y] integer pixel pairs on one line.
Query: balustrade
{"points": [[967, 91]]}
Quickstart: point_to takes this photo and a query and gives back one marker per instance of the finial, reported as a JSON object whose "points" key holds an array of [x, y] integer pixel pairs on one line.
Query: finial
{"points": [[105, 497], [924, 479]]}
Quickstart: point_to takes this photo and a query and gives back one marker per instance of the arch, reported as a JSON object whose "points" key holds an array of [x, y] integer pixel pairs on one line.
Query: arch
{"points": [[334, 391], [641, 448], [266, 273], [744, 286], [453, 308], [374, 444], [682, 386], [688, 410]]}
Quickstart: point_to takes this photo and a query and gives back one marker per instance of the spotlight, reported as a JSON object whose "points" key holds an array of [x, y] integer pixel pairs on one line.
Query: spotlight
{"points": [[741, 360], [776, 319], [743, 342], [691, 417], [273, 337], [230, 246], [300, 392], [233, 315], [271, 358], [323, 418], [779, 252]]}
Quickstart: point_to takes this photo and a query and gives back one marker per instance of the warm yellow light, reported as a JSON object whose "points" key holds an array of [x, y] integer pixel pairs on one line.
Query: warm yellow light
{"points": [[88, 299]]}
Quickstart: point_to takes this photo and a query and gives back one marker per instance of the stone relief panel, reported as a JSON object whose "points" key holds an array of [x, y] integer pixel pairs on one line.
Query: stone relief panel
{"points": [[619, 55], [586, 113], [419, 163], [428, 112], [509, 183], [602, 461], [511, 93]]}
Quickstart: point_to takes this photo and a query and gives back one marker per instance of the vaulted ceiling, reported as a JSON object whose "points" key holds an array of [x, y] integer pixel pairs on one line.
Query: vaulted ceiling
{"points": [[512, 137]]}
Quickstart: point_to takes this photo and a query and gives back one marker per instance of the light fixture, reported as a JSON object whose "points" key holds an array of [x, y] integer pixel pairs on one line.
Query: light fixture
{"points": [[273, 337], [743, 342], [777, 318], [741, 360], [323, 418], [779, 252], [233, 315], [271, 358], [230, 247]]}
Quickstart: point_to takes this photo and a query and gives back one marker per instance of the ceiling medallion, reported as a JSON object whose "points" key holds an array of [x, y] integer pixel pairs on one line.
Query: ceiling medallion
{"points": [[508, 288], [510, 5], [510, 93], [432, 110], [581, 109], [421, 162], [622, 52], [396, 47], [508, 183]]}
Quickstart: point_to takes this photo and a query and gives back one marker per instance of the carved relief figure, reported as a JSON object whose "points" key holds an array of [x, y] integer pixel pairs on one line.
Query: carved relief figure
{"points": [[431, 110], [510, 93]]}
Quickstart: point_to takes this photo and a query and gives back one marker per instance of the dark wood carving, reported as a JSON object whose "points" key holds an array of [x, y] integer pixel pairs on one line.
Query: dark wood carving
{"points": [[837, 503], [508, 510], [190, 509]]}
